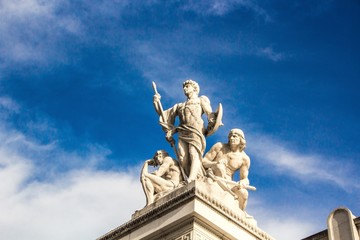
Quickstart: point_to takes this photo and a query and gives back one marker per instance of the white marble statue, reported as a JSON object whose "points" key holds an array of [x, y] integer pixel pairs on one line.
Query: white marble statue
{"points": [[191, 130], [224, 159], [166, 178]]}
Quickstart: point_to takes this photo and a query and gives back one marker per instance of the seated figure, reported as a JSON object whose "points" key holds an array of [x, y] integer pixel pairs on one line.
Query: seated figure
{"points": [[224, 159], [165, 178]]}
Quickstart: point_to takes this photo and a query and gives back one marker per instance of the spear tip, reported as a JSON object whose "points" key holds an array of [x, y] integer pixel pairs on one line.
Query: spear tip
{"points": [[154, 86]]}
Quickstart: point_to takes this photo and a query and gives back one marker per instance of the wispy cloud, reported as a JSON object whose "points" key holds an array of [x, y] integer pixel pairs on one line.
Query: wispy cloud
{"points": [[268, 52], [169, 58], [291, 227], [160, 62], [37, 32], [80, 202], [157, 65], [286, 160], [8, 104], [39, 140], [77, 205], [33, 30], [222, 7], [269, 218], [306, 167]]}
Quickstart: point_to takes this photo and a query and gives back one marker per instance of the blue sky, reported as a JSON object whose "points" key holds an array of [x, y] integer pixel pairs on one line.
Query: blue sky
{"points": [[77, 121]]}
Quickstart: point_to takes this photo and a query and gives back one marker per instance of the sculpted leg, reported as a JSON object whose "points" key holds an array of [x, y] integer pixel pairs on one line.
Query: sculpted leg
{"points": [[159, 184], [148, 190], [183, 151], [195, 168], [243, 195]]}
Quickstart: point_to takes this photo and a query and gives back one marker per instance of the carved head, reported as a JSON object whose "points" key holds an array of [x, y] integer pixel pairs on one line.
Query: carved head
{"points": [[236, 136], [159, 157], [194, 84]]}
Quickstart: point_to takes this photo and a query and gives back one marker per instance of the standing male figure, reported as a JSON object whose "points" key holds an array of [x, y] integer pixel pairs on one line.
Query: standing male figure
{"points": [[167, 177], [224, 159], [191, 130]]}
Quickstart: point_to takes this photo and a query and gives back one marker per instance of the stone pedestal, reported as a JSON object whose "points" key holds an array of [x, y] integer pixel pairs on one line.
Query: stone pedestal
{"points": [[199, 211]]}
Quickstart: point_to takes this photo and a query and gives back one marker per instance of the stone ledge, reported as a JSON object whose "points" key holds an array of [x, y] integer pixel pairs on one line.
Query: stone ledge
{"points": [[152, 211], [210, 194]]}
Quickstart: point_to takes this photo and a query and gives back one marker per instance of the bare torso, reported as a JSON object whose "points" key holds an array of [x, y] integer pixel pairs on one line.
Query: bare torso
{"points": [[190, 113], [234, 160]]}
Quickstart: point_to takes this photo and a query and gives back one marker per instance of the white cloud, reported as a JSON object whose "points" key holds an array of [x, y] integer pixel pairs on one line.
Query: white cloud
{"points": [[155, 63], [32, 30], [78, 205], [49, 202], [75, 204], [285, 159], [222, 7], [37, 32], [284, 227], [268, 52], [284, 224], [163, 67], [305, 167], [8, 104], [159, 60]]}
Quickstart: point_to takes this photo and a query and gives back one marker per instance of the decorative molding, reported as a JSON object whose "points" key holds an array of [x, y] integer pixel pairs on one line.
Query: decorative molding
{"points": [[238, 218], [178, 197], [149, 215], [186, 236], [201, 236]]}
